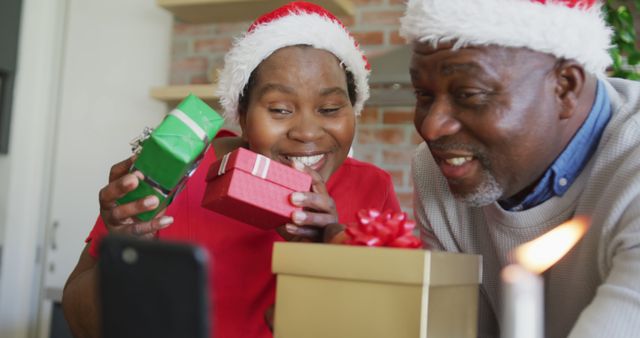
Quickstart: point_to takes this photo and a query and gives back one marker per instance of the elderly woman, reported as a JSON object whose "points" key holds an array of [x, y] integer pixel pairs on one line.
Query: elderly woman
{"points": [[295, 82]]}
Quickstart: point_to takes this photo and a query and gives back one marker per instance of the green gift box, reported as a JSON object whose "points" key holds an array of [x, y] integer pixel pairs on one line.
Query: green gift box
{"points": [[172, 151]]}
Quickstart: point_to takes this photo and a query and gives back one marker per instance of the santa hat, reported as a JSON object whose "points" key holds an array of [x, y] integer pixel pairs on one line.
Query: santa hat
{"points": [[297, 23], [570, 29]]}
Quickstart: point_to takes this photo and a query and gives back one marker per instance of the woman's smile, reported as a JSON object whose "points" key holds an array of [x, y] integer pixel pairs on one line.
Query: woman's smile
{"points": [[315, 162]]}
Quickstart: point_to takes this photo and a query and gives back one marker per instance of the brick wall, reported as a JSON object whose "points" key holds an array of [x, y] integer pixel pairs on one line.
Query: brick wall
{"points": [[385, 137]]}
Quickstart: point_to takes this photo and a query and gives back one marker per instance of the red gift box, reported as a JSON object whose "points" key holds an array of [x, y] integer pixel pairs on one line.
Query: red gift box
{"points": [[253, 189]]}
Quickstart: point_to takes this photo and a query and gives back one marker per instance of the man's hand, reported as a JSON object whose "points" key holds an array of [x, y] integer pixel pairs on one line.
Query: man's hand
{"points": [[121, 219]]}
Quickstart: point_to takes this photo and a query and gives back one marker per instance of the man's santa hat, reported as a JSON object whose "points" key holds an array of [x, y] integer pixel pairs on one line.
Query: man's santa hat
{"points": [[570, 29], [297, 23]]}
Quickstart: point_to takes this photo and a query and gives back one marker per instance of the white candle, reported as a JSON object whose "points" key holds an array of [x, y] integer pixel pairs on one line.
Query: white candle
{"points": [[523, 303], [522, 284]]}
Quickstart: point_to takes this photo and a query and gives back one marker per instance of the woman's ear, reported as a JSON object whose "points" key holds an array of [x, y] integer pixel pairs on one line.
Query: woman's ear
{"points": [[570, 82], [242, 119]]}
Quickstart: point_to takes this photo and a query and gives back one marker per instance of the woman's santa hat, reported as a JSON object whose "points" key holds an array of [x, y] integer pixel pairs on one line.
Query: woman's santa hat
{"points": [[570, 29], [297, 23]]}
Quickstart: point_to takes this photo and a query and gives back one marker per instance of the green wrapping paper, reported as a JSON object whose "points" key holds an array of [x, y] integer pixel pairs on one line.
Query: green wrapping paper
{"points": [[173, 151], [145, 189]]}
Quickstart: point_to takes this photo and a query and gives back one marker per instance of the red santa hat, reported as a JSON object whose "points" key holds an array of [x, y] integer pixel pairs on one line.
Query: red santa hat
{"points": [[570, 29], [297, 23]]}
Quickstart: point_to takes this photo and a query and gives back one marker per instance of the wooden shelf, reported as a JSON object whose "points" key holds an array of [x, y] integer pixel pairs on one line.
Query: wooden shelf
{"points": [[203, 11], [172, 95]]}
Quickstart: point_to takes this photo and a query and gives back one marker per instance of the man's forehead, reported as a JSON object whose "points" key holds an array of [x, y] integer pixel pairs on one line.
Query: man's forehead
{"points": [[427, 48], [479, 51], [448, 59]]}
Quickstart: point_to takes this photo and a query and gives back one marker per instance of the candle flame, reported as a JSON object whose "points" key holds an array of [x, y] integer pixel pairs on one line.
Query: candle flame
{"points": [[541, 253]]}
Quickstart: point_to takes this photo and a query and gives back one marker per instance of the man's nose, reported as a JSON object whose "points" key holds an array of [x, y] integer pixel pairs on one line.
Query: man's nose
{"points": [[439, 120]]}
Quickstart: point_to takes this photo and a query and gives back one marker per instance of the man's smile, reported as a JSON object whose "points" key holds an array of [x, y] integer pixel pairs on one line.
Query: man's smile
{"points": [[455, 161]]}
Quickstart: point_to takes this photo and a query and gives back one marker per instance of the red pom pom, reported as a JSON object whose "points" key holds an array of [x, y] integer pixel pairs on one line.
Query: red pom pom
{"points": [[585, 4]]}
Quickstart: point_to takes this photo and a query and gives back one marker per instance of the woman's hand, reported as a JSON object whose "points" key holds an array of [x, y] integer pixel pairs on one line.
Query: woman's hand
{"points": [[120, 219], [318, 219]]}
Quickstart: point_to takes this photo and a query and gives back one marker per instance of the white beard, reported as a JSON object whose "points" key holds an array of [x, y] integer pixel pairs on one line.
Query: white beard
{"points": [[486, 193]]}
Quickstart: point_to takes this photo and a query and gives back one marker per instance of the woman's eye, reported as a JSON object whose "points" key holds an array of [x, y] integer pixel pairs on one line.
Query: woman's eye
{"points": [[329, 110], [279, 111]]}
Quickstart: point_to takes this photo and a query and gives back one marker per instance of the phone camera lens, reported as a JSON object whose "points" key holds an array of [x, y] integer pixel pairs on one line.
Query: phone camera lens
{"points": [[129, 255]]}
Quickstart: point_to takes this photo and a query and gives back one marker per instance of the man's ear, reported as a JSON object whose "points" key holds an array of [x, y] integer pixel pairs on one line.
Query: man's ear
{"points": [[570, 82]]}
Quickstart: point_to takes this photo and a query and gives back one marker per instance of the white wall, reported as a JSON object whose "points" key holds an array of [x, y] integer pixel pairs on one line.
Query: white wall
{"points": [[115, 51], [24, 177], [4, 184], [84, 72]]}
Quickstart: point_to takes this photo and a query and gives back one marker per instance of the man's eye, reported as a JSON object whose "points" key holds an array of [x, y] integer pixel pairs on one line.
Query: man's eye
{"points": [[467, 94], [422, 95], [472, 96]]}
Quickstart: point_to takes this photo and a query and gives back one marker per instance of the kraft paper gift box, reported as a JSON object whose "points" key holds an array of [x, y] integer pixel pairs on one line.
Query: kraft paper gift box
{"points": [[353, 291], [172, 151], [253, 189]]}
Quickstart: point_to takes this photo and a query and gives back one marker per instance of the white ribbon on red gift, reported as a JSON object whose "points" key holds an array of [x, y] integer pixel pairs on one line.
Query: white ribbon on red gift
{"points": [[223, 164], [260, 166], [180, 115]]}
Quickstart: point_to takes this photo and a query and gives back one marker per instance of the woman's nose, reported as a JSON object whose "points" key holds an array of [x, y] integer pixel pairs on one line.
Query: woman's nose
{"points": [[439, 121], [306, 127]]}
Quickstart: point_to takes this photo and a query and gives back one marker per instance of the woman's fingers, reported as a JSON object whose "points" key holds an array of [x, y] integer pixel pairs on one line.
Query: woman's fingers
{"points": [[268, 317], [282, 231], [332, 233], [317, 182], [120, 183], [141, 229], [293, 233], [313, 233], [314, 201], [335, 234], [121, 168], [122, 219], [318, 198], [117, 189], [317, 209], [116, 214], [147, 229], [313, 218]]}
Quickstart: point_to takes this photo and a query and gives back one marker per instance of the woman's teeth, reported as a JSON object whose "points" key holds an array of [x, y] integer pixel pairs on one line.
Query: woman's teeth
{"points": [[458, 161], [309, 161]]}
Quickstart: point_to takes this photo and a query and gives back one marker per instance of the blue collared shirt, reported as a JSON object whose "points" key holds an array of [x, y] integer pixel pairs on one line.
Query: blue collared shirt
{"points": [[566, 168]]}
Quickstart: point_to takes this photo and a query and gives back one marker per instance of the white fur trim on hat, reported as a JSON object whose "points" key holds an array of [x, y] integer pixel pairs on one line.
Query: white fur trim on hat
{"points": [[572, 33], [294, 29]]}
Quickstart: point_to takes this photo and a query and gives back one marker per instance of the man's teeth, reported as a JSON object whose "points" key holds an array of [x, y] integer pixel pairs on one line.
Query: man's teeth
{"points": [[307, 160], [458, 161]]}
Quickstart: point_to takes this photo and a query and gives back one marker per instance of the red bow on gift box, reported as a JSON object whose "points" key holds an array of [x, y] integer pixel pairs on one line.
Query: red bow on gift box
{"points": [[375, 228]]}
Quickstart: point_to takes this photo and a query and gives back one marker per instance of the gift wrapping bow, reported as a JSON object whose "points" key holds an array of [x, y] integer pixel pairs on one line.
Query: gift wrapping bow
{"points": [[375, 228]]}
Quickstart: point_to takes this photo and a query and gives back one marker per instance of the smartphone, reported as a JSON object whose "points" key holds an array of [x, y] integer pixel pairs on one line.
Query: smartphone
{"points": [[153, 289]]}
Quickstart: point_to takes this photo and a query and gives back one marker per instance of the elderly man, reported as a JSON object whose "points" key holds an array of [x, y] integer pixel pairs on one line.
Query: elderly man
{"points": [[523, 132]]}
